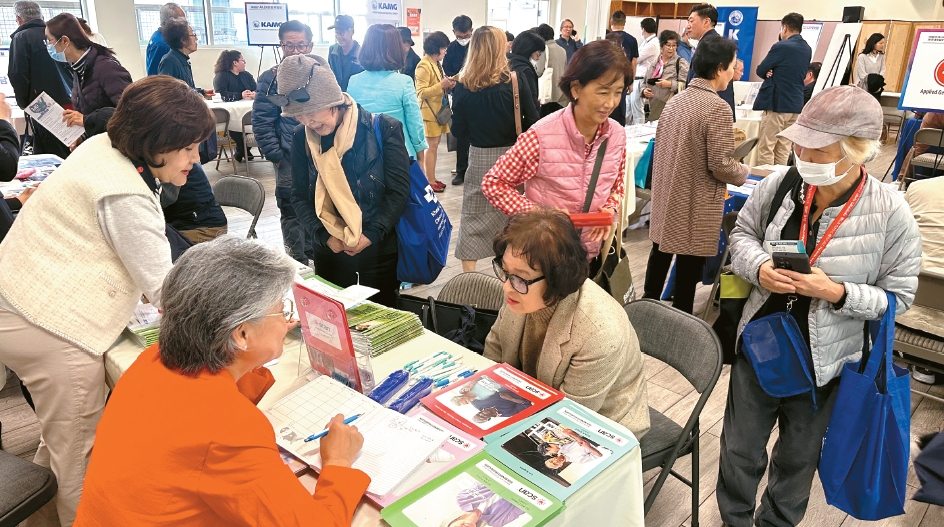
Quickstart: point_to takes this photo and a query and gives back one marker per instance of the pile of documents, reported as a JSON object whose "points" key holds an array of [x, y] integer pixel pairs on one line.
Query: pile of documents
{"points": [[376, 329], [145, 324]]}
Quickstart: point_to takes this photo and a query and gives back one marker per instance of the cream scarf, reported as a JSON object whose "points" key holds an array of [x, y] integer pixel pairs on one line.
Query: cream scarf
{"points": [[334, 202]]}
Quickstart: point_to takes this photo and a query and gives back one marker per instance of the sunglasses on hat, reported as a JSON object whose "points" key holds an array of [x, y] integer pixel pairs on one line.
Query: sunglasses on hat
{"points": [[297, 95]]}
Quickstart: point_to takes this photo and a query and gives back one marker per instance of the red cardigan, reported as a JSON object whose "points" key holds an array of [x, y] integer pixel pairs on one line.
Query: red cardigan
{"points": [[194, 451]]}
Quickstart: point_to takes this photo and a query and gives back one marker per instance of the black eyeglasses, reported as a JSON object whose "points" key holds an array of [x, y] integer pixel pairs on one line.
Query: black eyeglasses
{"points": [[288, 48], [517, 283], [297, 95]]}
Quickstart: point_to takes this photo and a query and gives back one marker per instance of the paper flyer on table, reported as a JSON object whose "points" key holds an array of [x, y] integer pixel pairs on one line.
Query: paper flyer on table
{"points": [[480, 491], [561, 448], [48, 113]]}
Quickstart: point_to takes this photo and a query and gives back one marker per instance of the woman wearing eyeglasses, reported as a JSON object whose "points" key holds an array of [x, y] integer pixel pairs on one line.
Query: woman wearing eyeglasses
{"points": [[234, 83], [348, 190], [216, 462], [662, 77], [561, 328]]}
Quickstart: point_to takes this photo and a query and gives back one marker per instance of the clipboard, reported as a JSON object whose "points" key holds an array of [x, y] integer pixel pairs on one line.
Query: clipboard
{"points": [[327, 337]]}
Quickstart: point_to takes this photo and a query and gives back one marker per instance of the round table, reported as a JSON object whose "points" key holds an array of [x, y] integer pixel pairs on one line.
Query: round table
{"points": [[236, 109]]}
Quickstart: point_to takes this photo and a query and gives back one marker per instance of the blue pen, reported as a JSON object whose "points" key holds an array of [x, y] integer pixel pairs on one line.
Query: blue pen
{"points": [[412, 396], [391, 385], [324, 432], [429, 362], [449, 380], [431, 366], [410, 364]]}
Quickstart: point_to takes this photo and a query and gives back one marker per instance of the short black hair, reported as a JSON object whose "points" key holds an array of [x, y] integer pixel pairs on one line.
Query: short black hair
{"points": [[649, 25], [175, 32], [526, 43], [510, 36], [294, 26], [462, 24], [814, 69], [706, 11], [793, 21], [435, 42], [546, 32], [667, 36], [618, 18], [712, 53]]}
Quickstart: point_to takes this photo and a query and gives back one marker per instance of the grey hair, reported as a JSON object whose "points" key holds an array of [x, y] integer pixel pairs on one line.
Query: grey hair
{"points": [[169, 11], [214, 288], [27, 10]]}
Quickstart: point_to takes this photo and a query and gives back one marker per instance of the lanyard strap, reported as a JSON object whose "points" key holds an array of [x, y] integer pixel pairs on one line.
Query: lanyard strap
{"points": [[831, 231]]}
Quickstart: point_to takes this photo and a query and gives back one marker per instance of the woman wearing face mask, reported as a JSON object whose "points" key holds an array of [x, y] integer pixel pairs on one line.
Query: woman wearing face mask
{"points": [[349, 191], [692, 165], [93, 241], [526, 48], [557, 155], [560, 327], [98, 79], [862, 242]]}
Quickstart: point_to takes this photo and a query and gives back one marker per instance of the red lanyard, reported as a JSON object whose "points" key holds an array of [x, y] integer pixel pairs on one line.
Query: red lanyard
{"points": [[831, 231]]}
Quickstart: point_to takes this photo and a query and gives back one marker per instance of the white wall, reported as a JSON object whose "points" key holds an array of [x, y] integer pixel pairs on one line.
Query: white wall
{"points": [[913, 10]]}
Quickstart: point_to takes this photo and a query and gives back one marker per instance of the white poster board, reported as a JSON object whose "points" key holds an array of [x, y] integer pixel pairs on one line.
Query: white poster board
{"points": [[263, 21], [839, 55], [811, 33], [5, 87], [924, 80], [384, 12]]}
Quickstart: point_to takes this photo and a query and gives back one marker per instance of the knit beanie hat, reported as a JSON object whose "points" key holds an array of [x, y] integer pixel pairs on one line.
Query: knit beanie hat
{"points": [[323, 90]]}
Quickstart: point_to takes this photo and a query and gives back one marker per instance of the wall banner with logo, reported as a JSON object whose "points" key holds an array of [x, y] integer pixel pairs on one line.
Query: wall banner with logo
{"points": [[924, 80], [384, 12], [263, 21], [740, 25], [413, 20]]}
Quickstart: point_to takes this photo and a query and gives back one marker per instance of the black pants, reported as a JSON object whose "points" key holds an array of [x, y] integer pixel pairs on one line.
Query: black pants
{"points": [[296, 241], [238, 140], [45, 142], [749, 417], [462, 156], [376, 270], [688, 271]]}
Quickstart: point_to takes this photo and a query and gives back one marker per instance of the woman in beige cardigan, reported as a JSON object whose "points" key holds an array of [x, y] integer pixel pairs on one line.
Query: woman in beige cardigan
{"points": [[432, 85], [561, 328]]}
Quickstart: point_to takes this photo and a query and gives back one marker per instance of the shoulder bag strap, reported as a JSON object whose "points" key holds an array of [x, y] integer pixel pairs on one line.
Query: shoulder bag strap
{"points": [[514, 89], [789, 181], [601, 151]]}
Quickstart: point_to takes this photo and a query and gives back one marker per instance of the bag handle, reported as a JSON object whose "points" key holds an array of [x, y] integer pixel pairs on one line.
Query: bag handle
{"points": [[883, 334], [517, 101], [601, 151], [432, 312], [610, 241]]}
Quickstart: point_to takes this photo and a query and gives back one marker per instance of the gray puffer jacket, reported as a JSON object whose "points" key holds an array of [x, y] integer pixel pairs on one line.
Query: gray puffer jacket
{"points": [[877, 249]]}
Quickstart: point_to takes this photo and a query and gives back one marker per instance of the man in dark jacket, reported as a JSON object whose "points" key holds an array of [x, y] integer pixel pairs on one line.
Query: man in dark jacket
{"points": [[32, 71], [157, 47], [567, 40], [701, 26], [412, 59], [343, 56], [274, 137], [781, 96], [454, 60]]}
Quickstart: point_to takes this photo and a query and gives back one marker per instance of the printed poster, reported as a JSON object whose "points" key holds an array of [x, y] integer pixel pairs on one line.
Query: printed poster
{"points": [[924, 80]]}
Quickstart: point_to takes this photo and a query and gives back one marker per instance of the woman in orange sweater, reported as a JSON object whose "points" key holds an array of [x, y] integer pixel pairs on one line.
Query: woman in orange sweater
{"points": [[180, 443]]}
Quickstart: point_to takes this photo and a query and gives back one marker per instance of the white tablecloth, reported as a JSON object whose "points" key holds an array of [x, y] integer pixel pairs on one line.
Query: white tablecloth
{"points": [[236, 109], [614, 497]]}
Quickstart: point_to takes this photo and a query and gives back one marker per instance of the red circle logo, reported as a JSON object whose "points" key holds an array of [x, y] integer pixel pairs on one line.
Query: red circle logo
{"points": [[939, 73]]}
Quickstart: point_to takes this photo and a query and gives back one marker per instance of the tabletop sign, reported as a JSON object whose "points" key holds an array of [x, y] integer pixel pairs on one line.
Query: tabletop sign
{"points": [[924, 80], [263, 21]]}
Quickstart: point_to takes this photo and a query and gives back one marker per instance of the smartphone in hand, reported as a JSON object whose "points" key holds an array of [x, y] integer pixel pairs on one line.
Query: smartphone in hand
{"points": [[797, 262]]}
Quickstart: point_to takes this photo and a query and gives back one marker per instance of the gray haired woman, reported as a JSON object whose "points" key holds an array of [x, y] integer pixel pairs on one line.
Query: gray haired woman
{"points": [[188, 402]]}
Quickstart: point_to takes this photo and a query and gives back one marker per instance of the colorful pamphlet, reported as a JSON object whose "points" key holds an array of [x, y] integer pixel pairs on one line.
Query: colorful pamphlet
{"points": [[491, 399], [480, 491], [376, 329], [327, 337], [561, 448]]}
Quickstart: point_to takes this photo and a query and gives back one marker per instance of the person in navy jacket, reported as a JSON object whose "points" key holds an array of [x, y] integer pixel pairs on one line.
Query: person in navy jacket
{"points": [[781, 96], [701, 27]]}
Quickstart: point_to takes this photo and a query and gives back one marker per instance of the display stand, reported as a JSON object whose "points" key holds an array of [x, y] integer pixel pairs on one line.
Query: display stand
{"points": [[839, 56]]}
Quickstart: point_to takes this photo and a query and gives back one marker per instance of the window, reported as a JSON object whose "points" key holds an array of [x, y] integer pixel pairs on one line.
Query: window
{"points": [[49, 9], [517, 15], [148, 17]]}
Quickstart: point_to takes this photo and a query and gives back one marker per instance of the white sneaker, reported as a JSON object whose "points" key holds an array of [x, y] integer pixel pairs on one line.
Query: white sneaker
{"points": [[923, 376]]}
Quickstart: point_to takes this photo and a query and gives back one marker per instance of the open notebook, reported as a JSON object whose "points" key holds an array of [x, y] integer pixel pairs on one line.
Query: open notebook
{"points": [[395, 445]]}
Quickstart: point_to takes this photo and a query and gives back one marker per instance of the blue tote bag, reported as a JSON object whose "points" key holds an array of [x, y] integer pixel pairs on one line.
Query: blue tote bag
{"points": [[864, 462], [424, 229]]}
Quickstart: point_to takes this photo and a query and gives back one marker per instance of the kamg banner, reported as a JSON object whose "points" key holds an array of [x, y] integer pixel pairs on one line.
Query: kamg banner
{"points": [[384, 12], [740, 25]]}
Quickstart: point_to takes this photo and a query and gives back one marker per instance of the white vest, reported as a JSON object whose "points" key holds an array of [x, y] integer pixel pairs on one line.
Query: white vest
{"points": [[56, 267]]}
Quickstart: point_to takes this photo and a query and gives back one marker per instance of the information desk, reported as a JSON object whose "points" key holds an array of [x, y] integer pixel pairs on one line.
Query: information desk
{"points": [[614, 497]]}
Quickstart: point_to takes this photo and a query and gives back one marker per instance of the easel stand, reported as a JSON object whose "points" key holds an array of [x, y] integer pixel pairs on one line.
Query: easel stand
{"points": [[275, 55], [833, 73]]}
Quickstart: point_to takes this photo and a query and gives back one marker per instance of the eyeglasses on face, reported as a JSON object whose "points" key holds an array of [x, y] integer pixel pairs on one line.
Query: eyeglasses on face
{"points": [[288, 48], [288, 310], [297, 95], [517, 283]]}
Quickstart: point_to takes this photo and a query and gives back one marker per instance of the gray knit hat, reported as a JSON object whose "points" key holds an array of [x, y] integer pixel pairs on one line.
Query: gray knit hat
{"points": [[323, 90]]}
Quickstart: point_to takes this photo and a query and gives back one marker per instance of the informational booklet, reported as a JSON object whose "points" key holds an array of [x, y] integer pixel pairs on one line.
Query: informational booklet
{"points": [[145, 325], [491, 399], [458, 447], [561, 448], [480, 491], [47, 112]]}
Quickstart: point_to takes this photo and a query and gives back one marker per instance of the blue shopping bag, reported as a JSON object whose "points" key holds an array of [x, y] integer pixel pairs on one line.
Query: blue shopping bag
{"points": [[642, 172], [778, 352], [424, 229], [864, 462]]}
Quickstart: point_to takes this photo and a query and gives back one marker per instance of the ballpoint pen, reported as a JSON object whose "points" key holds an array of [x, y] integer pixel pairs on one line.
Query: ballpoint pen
{"points": [[324, 432]]}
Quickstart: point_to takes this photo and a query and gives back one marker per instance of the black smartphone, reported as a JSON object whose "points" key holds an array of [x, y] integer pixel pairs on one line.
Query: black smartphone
{"points": [[797, 262], [652, 82]]}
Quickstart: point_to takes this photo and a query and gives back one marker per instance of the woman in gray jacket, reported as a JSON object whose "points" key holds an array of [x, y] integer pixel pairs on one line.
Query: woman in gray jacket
{"points": [[862, 241]]}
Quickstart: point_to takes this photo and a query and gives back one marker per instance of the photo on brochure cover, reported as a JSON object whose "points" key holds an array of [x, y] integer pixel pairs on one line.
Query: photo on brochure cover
{"points": [[464, 502], [484, 403], [556, 451]]}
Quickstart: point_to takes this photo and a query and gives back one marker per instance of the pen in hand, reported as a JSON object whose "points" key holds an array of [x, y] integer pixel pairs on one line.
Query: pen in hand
{"points": [[324, 432]]}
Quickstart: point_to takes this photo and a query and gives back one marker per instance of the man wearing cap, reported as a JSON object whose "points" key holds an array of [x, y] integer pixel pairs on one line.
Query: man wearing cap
{"points": [[781, 95], [343, 56], [274, 136], [862, 242], [412, 59]]}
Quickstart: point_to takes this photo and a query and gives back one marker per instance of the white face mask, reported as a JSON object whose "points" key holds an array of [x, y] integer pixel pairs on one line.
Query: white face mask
{"points": [[820, 174], [533, 62], [463, 41]]}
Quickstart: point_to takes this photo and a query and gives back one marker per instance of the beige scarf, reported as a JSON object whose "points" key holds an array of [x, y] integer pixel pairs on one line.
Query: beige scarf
{"points": [[334, 201]]}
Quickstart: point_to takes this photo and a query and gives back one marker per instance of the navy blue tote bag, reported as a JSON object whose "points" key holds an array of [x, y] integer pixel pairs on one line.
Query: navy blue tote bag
{"points": [[864, 462]]}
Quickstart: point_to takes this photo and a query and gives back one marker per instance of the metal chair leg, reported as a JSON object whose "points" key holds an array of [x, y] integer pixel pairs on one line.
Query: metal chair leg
{"points": [[695, 474]]}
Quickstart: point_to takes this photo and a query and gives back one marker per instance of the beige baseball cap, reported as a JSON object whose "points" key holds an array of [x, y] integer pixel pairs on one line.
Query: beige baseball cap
{"points": [[834, 114]]}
